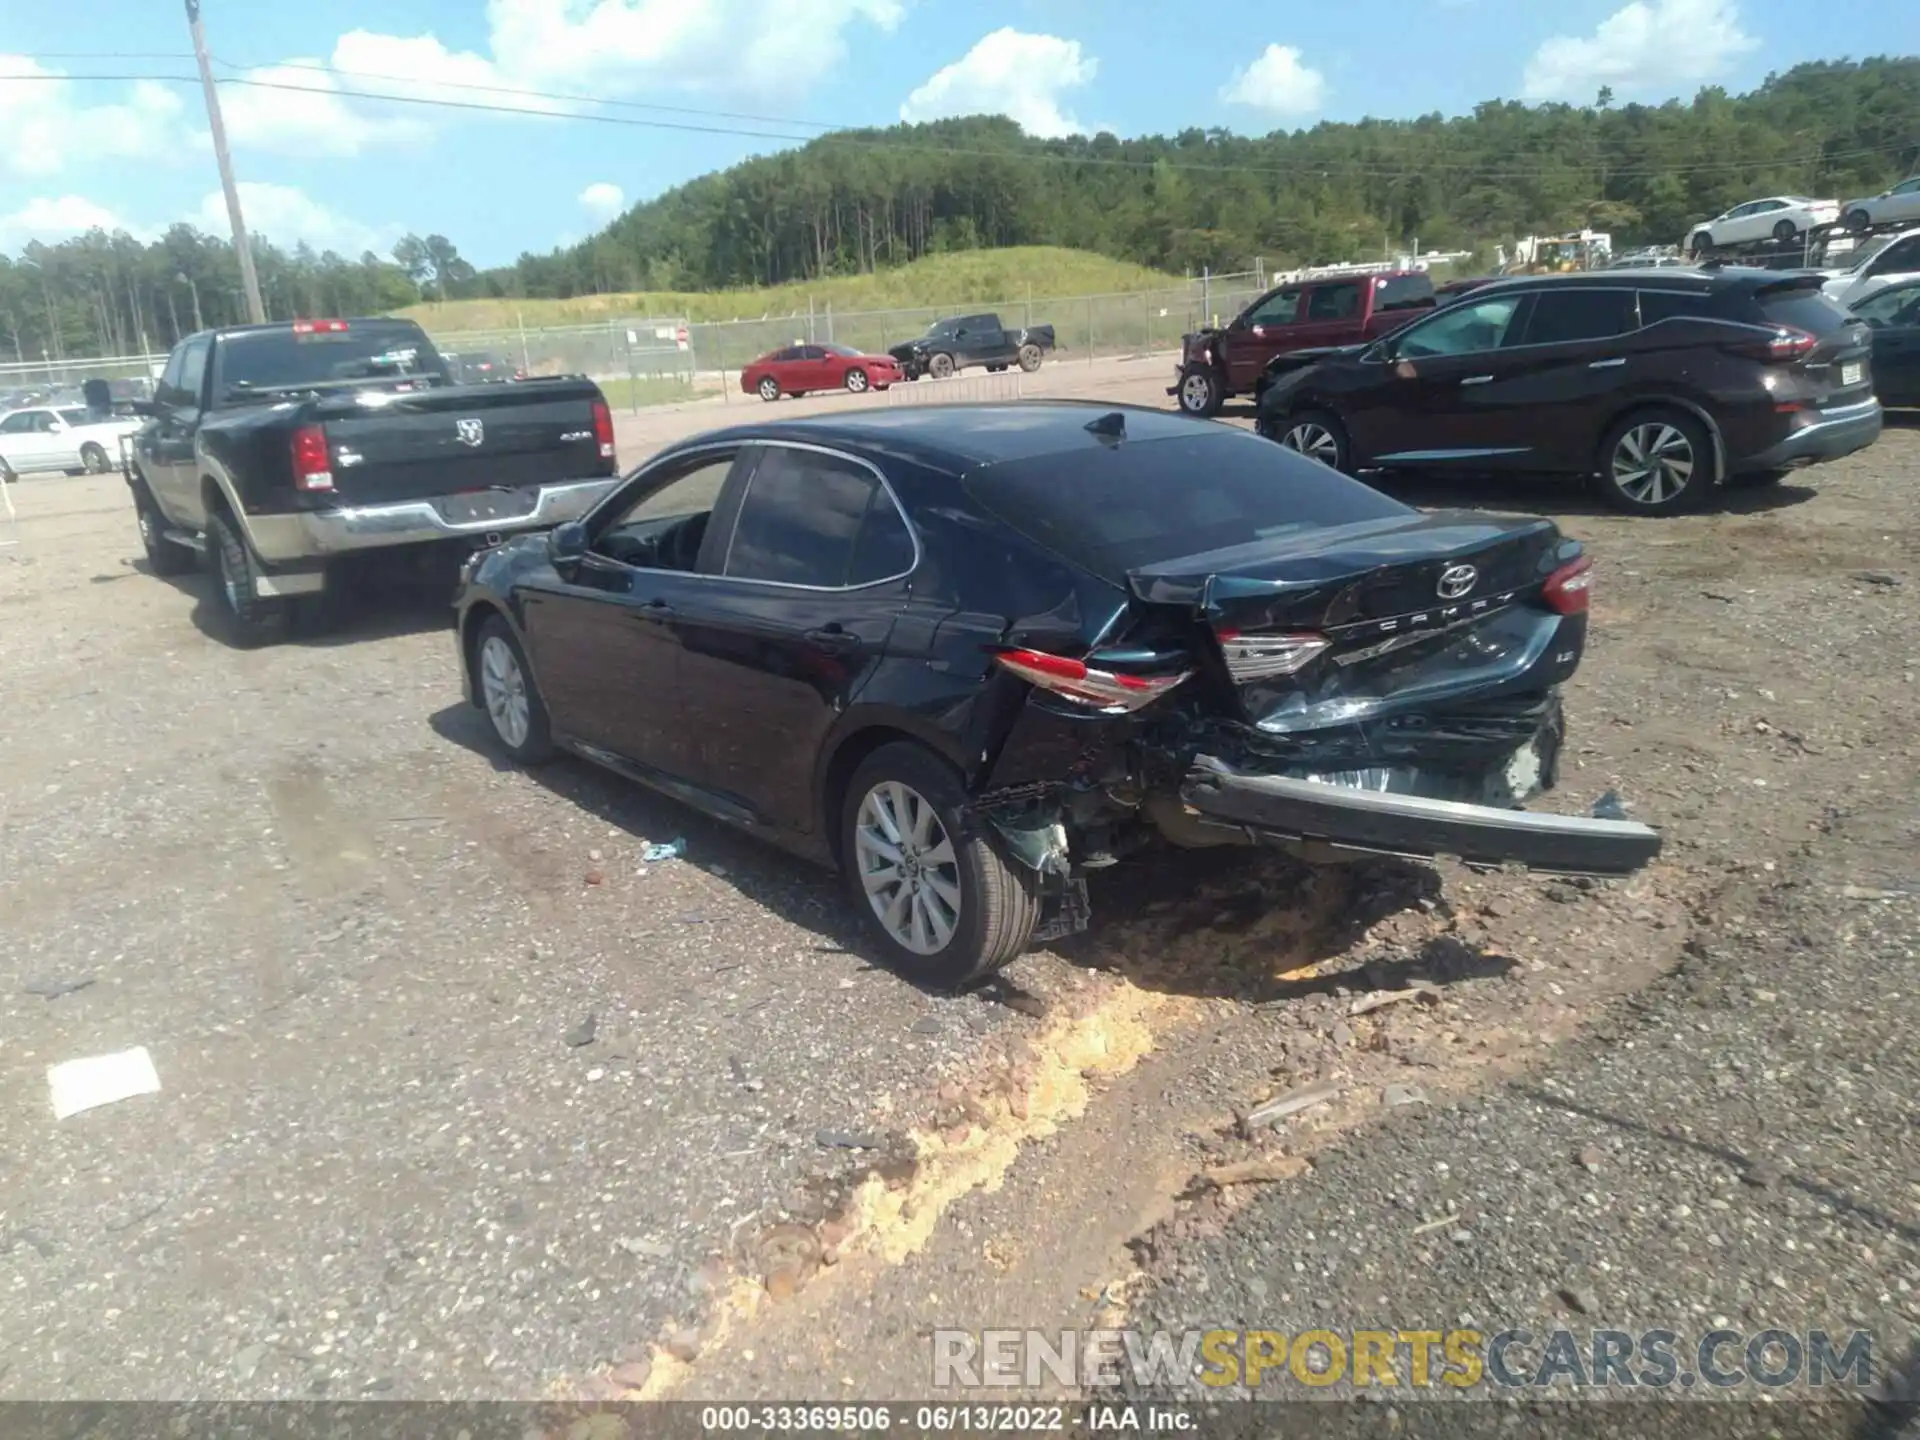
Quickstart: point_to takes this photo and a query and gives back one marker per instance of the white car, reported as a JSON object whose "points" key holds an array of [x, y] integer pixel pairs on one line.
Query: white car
{"points": [[1876, 264], [1778, 217], [1900, 205], [67, 438]]}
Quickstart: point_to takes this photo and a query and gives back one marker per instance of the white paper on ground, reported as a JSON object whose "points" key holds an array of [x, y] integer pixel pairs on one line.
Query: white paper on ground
{"points": [[100, 1080]]}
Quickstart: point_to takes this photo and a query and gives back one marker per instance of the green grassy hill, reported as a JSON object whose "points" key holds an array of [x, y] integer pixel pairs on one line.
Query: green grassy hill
{"points": [[939, 281]]}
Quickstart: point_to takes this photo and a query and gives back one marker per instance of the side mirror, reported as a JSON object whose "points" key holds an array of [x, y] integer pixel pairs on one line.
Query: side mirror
{"points": [[146, 408], [566, 543]]}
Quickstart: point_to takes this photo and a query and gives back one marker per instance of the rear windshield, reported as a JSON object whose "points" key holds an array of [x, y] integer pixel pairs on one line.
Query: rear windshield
{"points": [[1804, 309], [1111, 511], [280, 359]]}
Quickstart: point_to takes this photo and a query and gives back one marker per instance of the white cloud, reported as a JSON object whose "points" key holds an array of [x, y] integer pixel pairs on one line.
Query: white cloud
{"points": [[603, 200], [51, 219], [1011, 73], [1652, 48], [287, 215], [1277, 82], [614, 48], [47, 128]]}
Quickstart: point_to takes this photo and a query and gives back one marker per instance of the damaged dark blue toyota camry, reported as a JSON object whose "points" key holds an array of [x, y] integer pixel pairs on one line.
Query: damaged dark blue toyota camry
{"points": [[966, 654]]}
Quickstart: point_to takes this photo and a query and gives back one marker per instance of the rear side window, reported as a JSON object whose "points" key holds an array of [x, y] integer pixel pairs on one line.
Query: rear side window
{"points": [[1334, 302], [817, 520], [1658, 305], [1803, 308], [1111, 511], [1897, 258], [1579, 313], [1402, 292]]}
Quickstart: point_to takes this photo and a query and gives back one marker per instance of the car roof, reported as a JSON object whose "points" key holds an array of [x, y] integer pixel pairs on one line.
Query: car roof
{"points": [[958, 438], [1670, 277]]}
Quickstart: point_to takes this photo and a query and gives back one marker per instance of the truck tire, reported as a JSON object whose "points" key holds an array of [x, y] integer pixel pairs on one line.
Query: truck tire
{"points": [[941, 367], [250, 620], [1029, 357], [950, 910], [1201, 393], [163, 556]]}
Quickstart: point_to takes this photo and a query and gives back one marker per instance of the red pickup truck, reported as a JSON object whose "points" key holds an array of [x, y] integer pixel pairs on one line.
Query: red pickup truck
{"points": [[1325, 311]]}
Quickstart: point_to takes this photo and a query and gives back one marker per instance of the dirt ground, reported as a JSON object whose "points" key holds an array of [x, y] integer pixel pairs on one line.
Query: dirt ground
{"points": [[461, 1097]]}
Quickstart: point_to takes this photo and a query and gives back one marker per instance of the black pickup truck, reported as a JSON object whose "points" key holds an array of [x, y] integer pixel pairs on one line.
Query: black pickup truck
{"points": [[278, 452], [950, 346]]}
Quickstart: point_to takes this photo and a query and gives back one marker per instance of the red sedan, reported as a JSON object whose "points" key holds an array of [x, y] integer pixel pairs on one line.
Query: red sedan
{"points": [[802, 368]]}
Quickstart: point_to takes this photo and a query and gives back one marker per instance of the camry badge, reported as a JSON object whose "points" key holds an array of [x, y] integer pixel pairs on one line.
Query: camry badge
{"points": [[1457, 580]]}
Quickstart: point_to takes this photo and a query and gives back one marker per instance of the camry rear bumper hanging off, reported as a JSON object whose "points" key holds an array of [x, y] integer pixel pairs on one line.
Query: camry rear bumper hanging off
{"points": [[1338, 819]]}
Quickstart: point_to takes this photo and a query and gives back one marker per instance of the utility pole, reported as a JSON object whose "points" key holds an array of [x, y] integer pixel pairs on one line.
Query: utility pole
{"points": [[243, 251]]}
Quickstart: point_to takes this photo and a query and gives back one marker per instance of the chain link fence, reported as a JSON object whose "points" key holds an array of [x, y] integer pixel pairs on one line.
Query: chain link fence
{"points": [[648, 360]]}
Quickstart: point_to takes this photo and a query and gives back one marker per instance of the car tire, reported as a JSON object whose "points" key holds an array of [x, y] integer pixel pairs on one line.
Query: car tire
{"points": [[94, 457], [1029, 357], [1201, 393], [1315, 434], [250, 620], [509, 697], [769, 388], [857, 382], [163, 556], [941, 367], [1785, 232], [1700, 245], [1656, 462], [974, 910], [1857, 220]]}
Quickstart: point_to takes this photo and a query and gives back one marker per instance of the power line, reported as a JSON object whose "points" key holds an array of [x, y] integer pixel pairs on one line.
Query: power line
{"points": [[1306, 167]]}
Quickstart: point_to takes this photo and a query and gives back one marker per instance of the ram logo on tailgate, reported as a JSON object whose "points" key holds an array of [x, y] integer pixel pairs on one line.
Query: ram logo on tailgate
{"points": [[469, 432]]}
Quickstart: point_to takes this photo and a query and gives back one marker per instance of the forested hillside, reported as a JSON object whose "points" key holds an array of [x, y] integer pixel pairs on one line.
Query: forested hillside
{"points": [[858, 202]]}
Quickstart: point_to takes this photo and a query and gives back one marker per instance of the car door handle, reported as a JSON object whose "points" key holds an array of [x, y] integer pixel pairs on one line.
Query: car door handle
{"points": [[1476, 380], [656, 610], [833, 638], [1606, 364]]}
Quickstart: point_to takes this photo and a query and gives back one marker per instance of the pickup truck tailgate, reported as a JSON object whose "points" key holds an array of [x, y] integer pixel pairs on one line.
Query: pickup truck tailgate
{"points": [[419, 444]]}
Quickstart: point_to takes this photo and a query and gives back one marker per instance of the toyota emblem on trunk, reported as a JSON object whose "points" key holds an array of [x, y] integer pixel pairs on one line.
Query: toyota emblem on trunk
{"points": [[1457, 580], [472, 432]]}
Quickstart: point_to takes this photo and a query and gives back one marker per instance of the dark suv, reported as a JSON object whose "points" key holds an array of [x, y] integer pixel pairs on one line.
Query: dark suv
{"points": [[1658, 382]]}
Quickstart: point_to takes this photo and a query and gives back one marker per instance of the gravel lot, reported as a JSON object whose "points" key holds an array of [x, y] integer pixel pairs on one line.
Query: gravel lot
{"points": [[388, 1160]]}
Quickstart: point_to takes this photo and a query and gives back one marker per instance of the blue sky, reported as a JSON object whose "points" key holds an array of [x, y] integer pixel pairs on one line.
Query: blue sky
{"points": [[348, 172]]}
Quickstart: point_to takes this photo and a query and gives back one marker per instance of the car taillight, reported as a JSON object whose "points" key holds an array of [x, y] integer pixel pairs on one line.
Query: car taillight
{"points": [[1259, 657], [1569, 589], [312, 467], [319, 327], [603, 428], [1105, 690], [1782, 345]]}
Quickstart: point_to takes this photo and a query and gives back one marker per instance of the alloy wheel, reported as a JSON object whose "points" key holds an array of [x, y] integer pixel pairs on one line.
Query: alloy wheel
{"points": [[769, 389], [1196, 392], [1314, 441], [856, 380], [1652, 463], [908, 867], [504, 689], [230, 583], [149, 532]]}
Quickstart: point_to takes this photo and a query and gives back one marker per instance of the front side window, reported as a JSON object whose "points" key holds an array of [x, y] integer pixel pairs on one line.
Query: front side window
{"points": [[1467, 328], [1897, 258], [193, 370], [1280, 308], [1907, 187], [664, 527], [819, 521]]}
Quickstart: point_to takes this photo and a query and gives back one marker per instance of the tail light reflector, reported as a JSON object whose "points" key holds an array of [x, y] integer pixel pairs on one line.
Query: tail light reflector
{"points": [[312, 466], [1569, 589], [1104, 690], [1260, 657], [319, 327], [603, 428], [1782, 345]]}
